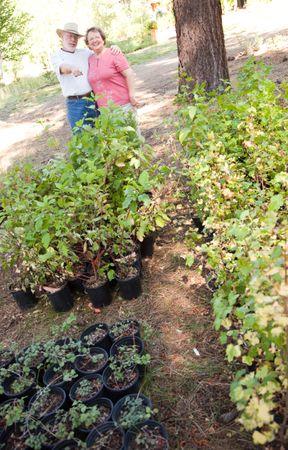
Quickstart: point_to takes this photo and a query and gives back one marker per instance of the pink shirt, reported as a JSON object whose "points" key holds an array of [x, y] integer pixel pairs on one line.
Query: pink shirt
{"points": [[105, 78]]}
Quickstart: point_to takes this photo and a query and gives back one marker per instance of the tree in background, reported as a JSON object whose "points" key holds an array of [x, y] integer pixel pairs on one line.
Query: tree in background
{"points": [[14, 32], [200, 43]]}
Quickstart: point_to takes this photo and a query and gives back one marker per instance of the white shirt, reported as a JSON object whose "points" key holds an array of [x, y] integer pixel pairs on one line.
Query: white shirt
{"points": [[71, 85]]}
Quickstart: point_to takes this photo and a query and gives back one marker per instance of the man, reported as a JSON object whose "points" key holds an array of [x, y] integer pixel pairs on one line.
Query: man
{"points": [[71, 67]]}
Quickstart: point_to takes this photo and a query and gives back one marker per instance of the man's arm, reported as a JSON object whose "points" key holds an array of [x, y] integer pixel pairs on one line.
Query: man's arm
{"points": [[66, 69]]}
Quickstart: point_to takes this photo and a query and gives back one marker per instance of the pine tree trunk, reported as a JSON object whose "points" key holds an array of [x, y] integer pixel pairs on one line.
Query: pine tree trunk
{"points": [[200, 42]]}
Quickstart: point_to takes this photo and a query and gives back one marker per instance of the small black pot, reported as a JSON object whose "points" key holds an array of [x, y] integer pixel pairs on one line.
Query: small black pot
{"points": [[27, 392], [147, 246], [48, 376], [115, 394], [100, 295], [116, 413], [104, 342], [6, 361], [47, 420], [92, 351], [61, 404], [24, 299], [82, 433], [150, 424], [136, 326], [70, 444], [61, 299], [5, 438], [130, 288], [90, 400], [76, 285], [98, 432]]}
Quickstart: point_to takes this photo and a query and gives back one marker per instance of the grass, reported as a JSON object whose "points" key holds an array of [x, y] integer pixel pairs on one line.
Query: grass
{"points": [[152, 52]]}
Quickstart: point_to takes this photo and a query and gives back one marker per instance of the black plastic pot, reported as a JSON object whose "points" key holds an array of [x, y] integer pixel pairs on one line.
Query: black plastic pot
{"points": [[27, 392], [135, 327], [70, 444], [82, 433], [24, 299], [100, 295], [115, 394], [147, 246], [118, 407], [152, 424], [76, 285], [6, 361], [92, 351], [90, 400], [61, 404], [104, 342], [130, 288], [46, 421], [99, 431], [61, 299], [48, 378]]}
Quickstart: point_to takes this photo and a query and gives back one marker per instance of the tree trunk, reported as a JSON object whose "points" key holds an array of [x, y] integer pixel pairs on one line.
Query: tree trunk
{"points": [[241, 3], [200, 42]]}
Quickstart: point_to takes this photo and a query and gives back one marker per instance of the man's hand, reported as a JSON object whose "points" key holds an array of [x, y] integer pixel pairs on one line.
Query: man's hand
{"points": [[115, 50], [76, 72]]}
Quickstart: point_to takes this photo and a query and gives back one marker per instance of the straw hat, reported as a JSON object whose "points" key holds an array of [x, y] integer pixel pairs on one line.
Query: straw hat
{"points": [[70, 27]]}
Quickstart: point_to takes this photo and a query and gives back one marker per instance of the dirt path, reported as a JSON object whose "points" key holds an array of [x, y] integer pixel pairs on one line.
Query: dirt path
{"points": [[189, 378]]}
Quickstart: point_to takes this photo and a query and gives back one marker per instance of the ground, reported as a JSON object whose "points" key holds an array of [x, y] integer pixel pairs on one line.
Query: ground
{"points": [[189, 377]]}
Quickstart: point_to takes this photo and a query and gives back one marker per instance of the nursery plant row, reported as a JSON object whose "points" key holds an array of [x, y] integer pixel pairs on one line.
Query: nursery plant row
{"points": [[72, 393], [80, 218], [235, 152]]}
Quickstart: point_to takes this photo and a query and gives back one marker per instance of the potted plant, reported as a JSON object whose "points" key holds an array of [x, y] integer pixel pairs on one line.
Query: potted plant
{"points": [[96, 335], [17, 381], [46, 401], [94, 361], [147, 435], [97, 283], [107, 435], [132, 409], [61, 375], [84, 418], [87, 389], [128, 268], [125, 327], [7, 357], [121, 380]]}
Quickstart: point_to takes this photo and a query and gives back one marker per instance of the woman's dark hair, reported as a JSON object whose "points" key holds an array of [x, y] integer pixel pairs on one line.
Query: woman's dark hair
{"points": [[96, 29]]}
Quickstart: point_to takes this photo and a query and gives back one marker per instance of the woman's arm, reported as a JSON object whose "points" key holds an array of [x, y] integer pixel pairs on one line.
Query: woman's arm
{"points": [[129, 75]]}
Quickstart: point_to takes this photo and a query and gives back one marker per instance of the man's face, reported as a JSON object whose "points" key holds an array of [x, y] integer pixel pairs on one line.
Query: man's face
{"points": [[69, 41]]}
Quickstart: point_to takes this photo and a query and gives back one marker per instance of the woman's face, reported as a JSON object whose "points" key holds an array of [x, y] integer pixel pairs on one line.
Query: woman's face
{"points": [[95, 41]]}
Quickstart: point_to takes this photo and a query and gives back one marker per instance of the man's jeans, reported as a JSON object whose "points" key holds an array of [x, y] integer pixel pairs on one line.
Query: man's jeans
{"points": [[81, 109]]}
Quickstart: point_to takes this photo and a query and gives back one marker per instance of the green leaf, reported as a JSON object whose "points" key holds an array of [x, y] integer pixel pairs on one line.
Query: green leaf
{"points": [[233, 351], [192, 111], [46, 238], [189, 260], [159, 222], [276, 202], [144, 179], [184, 134]]}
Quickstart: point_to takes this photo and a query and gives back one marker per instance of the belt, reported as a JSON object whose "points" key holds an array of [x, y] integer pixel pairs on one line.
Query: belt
{"points": [[77, 97]]}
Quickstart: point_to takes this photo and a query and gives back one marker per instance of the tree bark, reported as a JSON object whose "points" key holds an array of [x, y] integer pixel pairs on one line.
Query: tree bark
{"points": [[200, 42]]}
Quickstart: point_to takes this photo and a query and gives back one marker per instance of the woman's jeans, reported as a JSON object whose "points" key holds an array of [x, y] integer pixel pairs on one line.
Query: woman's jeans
{"points": [[78, 109]]}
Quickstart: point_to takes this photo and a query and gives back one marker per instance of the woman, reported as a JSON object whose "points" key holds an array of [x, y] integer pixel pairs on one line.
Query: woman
{"points": [[109, 75]]}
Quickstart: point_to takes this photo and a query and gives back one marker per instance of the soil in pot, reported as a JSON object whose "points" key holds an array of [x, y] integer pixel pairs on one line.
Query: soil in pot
{"points": [[47, 401], [99, 294], [87, 389], [61, 299], [130, 287], [131, 410], [94, 362], [147, 435], [24, 299], [97, 336], [122, 328], [7, 357], [106, 436]]}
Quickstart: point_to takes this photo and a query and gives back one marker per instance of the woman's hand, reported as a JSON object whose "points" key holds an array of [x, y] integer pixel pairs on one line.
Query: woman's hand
{"points": [[134, 102], [115, 50]]}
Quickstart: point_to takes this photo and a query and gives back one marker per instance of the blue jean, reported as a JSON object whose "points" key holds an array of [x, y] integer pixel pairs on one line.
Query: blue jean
{"points": [[81, 109]]}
